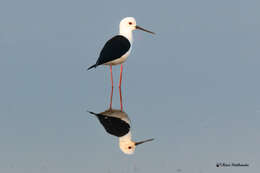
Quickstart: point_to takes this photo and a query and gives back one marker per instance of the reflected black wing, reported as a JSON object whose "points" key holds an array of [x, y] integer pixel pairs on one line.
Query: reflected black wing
{"points": [[114, 126]]}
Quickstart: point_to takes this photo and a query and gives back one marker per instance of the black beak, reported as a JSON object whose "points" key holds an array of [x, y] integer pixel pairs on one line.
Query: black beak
{"points": [[141, 142], [138, 27]]}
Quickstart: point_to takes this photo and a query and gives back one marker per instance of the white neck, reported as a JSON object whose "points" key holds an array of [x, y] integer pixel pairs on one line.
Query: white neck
{"points": [[126, 33], [126, 138]]}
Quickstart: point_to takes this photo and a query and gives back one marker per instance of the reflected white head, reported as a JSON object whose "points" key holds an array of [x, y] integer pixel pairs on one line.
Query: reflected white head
{"points": [[127, 145], [127, 25]]}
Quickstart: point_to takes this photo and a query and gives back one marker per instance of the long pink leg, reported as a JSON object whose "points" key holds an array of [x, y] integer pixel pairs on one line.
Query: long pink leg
{"points": [[111, 98], [120, 80], [111, 76], [111, 95], [121, 102]]}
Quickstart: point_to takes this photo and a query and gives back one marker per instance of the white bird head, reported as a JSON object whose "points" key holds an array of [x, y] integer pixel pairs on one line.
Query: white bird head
{"points": [[127, 145], [127, 25]]}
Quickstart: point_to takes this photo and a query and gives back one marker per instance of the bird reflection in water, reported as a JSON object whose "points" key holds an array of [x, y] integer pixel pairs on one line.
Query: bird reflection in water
{"points": [[117, 123]]}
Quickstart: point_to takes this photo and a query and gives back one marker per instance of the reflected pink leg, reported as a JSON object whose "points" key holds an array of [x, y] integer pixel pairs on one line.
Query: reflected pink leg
{"points": [[121, 102], [120, 80]]}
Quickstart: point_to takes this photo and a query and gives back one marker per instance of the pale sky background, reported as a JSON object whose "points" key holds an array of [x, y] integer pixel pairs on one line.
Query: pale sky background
{"points": [[194, 86]]}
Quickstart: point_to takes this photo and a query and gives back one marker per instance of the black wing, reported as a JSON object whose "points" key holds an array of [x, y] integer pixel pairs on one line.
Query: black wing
{"points": [[113, 49], [114, 126]]}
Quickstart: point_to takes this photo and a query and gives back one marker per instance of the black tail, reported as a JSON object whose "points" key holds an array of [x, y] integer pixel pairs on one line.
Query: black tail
{"points": [[92, 113], [92, 66]]}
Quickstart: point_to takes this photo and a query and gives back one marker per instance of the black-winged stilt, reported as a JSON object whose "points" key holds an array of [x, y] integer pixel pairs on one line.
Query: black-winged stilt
{"points": [[117, 123], [118, 48]]}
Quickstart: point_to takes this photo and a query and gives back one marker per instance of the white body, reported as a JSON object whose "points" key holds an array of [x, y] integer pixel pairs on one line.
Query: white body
{"points": [[125, 29], [120, 60]]}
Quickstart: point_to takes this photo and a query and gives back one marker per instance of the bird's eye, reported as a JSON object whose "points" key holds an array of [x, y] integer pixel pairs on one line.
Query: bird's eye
{"points": [[129, 147], [130, 23]]}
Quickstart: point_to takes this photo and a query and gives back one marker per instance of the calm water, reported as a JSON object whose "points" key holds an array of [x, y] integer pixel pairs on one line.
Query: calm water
{"points": [[193, 86]]}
